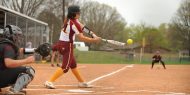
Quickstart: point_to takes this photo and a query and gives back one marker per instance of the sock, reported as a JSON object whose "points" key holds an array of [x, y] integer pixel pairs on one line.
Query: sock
{"points": [[77, 75], [56, 75]]}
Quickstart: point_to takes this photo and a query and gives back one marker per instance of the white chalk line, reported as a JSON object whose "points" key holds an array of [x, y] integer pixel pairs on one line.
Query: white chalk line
{"points": [[114, 72], [36, 85], [132, 91], [43, 89], [69, 94], [79, 91], [149, 91], [54, 68]]}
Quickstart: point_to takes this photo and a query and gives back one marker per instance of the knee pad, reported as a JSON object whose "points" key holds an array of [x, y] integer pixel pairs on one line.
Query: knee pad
{"points": [[30, 71], [22, 81]]}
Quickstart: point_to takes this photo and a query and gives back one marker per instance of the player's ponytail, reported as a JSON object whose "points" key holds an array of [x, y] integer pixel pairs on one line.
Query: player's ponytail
{"points": [[72, 11], [65, 24]]}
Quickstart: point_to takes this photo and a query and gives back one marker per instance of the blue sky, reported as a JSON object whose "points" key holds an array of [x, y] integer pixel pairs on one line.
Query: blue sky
{"points": [[151, 12]]}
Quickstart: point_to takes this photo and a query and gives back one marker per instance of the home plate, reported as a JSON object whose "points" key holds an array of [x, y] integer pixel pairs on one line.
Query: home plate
{"points": [[79, 91]]}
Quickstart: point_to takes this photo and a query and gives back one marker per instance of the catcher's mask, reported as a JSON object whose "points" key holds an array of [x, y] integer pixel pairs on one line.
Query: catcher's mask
{"points": [[72, 11], [14, 34]]}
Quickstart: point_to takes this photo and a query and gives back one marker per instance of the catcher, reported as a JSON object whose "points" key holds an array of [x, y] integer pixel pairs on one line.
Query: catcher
{"points": [[71, 28], [11, 70]]}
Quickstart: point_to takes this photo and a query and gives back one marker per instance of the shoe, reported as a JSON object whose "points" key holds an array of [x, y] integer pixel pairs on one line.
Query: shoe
{"points": [[52, 65], [58, 65], [84, 85], [49, 85]]}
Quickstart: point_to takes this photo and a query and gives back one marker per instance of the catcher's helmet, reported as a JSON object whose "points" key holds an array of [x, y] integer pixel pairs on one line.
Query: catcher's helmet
{"points": [[72, 10], [14, 34]]}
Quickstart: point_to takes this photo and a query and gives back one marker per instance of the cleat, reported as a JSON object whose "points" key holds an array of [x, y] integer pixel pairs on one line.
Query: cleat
{"points": [[49, 85], [84, 85], [52, 65], [58, 65]]}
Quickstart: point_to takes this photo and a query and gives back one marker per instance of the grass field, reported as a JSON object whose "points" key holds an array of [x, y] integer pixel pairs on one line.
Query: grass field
{"points": [[99, 57], [117, 57]]}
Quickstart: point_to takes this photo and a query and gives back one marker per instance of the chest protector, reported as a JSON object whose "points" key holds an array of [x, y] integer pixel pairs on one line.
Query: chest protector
{"points": [[7, 41]]}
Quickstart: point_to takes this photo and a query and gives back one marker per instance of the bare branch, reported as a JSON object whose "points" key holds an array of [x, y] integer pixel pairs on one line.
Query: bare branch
{"points": [[28, 7]]}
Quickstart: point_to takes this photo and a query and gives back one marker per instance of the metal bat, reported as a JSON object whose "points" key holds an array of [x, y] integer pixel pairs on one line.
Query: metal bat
{"points": [[89, 32], [117, 43]]}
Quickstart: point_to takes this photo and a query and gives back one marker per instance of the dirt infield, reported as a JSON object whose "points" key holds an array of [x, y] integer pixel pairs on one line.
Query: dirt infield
{"points": [[116, 79]]}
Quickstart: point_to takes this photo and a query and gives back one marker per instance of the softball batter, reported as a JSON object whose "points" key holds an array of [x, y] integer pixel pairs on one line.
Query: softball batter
{"points": [[72, 27]]}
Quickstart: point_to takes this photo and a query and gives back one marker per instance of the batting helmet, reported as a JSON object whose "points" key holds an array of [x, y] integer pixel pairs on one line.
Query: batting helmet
{"points": [[72, 10], [14, 34]]}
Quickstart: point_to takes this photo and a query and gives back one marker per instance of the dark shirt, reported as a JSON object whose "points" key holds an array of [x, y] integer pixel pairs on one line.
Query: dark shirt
{"points": [[157, 57], [6, 51]]}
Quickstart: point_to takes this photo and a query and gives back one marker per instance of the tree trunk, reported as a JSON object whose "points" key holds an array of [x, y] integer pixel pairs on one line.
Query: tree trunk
{"points": [[189, 54], [63, 6]]}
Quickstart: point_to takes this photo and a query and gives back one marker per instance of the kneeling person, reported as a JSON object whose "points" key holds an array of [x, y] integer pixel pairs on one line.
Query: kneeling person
{"points": [[11, 70]]}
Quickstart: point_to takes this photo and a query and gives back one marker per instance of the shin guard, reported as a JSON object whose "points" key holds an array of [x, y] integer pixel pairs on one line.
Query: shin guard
{"points": [[22, 81]]}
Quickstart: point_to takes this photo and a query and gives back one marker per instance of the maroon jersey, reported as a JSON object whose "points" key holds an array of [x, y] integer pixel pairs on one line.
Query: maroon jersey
{"points": [[65, 44]]}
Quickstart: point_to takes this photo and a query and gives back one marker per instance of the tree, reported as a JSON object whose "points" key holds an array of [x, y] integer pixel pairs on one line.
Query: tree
{"points": [[53, 14], [54, 24], [104, 20], [163, 29], [27, 7], [56, 6], [153, 37], [180, 27]]}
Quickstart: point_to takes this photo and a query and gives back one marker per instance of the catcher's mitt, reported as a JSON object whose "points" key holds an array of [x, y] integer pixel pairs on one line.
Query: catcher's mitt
{"points": [[44, 49]]}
